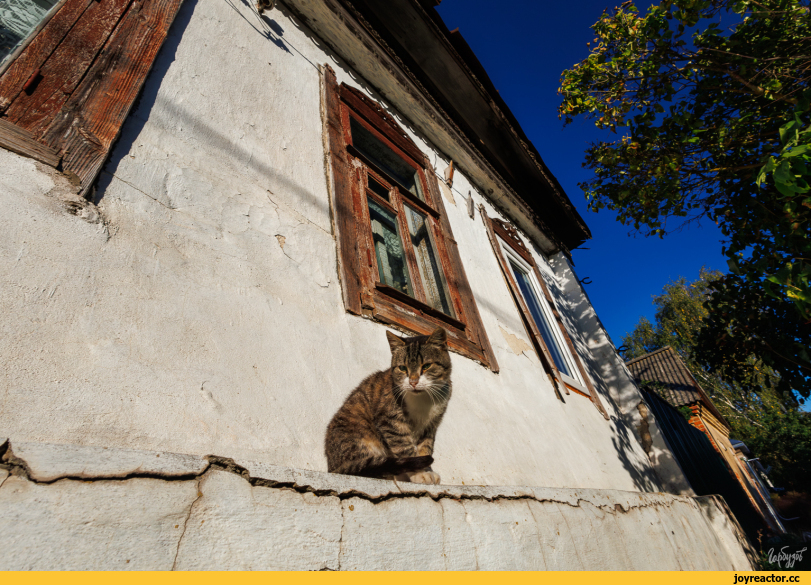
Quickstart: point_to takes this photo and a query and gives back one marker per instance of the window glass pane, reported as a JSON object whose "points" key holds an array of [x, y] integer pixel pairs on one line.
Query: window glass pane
{"points": [[522, 278], [433, 279], [378, 188], [384, 157], [18, 19], [391, 262]]}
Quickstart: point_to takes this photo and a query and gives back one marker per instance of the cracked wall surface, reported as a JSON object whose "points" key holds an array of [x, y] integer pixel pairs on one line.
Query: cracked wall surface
{"points": [[73, 507], [196, 307]]}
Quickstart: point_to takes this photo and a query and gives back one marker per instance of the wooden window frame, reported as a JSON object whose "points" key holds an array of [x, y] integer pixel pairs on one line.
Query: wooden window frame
{"points": [[504, 236], [363, 294], [66, 92]]}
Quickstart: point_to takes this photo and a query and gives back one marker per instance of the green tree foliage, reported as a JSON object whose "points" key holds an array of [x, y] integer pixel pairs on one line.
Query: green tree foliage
{"points": [[784, 442], [768, 421], [710, 103], [680, 319], [744, 320]]}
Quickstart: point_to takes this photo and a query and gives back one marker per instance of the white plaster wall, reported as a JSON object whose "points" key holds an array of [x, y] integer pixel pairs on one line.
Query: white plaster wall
{"points": [[116, 509], [612, 377], [197, 309]]}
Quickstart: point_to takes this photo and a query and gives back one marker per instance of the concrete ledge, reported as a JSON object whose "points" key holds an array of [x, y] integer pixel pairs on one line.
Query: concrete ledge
{"points": [[46, 463], [119, 509]]}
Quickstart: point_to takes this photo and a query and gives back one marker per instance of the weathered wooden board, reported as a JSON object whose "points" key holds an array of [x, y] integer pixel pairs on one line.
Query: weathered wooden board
{"points": [[91, 119], [466, 304], [39, 49], [345, 223], [66, 67], [373, 112], [17, 140]]}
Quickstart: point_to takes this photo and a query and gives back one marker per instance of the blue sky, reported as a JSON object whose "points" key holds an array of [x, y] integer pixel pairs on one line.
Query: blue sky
{"points": [[524, 46]]}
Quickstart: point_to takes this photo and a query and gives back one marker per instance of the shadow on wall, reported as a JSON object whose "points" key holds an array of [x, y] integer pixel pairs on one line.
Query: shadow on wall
{"points": [[154, 107], [134, 124], [270, 29], [578, 315]]}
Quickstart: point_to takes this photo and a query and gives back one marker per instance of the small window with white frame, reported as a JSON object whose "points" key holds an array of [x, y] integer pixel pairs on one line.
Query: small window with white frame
{"points": [[543, 317], [540, 314]]}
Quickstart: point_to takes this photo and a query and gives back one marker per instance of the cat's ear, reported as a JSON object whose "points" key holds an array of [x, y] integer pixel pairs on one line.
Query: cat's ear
{"points": [[394, 341], [438, 337]]}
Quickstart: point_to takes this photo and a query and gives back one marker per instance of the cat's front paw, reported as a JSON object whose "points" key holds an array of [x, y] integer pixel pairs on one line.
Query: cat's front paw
{"points": [[424, 477]]}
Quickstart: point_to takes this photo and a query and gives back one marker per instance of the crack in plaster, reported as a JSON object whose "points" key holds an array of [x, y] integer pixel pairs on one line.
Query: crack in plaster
{"points": [[302, 219], [628, 551], [472, 536], [341, 541], [19, 467], [540, 538], [569, 531], [186, 522], [444, 535], [282, 239], [158, 201]]}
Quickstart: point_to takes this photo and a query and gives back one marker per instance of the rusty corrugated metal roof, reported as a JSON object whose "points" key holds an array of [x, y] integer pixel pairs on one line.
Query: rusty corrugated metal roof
{"points": [[673, 381]]}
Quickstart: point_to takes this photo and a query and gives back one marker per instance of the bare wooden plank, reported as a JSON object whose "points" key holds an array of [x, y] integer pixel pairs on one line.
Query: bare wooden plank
{"points": [[348, 253], [38, 50], [420, 306], [390, 311], [91, 119], [66, 67], [18, 140]]}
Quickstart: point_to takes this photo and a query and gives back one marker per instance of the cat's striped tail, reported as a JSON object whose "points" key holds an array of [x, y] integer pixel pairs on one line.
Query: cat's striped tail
{"points": [[396, 465]]}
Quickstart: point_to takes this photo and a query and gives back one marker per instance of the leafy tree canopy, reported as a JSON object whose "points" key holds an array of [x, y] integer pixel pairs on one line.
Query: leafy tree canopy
{"points": [[710, 103]]}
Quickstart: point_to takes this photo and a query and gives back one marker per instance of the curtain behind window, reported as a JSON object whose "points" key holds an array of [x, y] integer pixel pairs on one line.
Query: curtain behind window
{"points": [[18, 19]]}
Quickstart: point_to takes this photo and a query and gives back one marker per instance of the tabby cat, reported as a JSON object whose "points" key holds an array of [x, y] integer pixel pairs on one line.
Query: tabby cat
{"points": [[387, 425]]}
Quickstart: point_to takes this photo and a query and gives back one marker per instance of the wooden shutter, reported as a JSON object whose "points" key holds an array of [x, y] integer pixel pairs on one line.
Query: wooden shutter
{"points": [[343, 178], [72, 87]]}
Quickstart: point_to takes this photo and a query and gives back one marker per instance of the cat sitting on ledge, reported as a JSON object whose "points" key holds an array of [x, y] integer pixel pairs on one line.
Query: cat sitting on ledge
{"points": [[387, 425]]}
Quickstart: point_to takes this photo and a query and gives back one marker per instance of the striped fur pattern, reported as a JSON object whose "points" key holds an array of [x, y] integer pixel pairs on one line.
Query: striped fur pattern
{"points": [[387, 425]]}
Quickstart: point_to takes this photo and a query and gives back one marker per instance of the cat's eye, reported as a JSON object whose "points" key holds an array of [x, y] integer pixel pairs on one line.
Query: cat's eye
{"points": [[426, 366], [402, 368]]}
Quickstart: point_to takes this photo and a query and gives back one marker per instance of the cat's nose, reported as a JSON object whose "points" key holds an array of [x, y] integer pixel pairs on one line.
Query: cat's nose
{"points": [[414, 382]]}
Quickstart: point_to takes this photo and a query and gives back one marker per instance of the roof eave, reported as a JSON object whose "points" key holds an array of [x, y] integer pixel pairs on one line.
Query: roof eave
{"points": [[448, 68]]}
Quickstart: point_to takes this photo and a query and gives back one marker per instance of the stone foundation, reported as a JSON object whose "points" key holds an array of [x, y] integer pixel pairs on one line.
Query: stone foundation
{"points": [[90, 508]]}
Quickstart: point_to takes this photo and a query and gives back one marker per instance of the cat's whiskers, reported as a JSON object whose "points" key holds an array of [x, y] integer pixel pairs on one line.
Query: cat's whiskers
{"points": [[430, 392]]}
